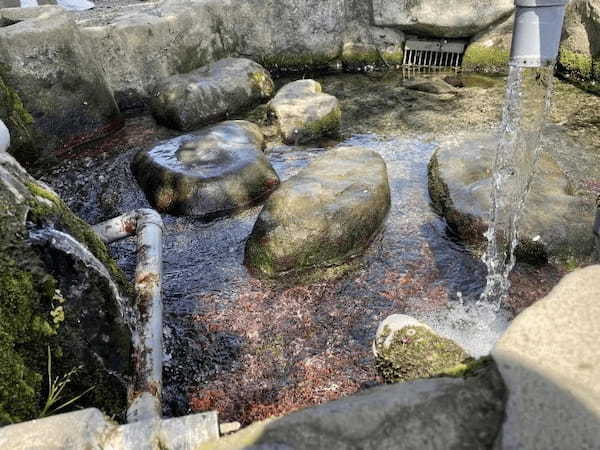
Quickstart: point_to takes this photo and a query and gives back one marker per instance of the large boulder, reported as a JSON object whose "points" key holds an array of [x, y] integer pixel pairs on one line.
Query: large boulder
{"points": [[580, 47], [550, 361], [215, 171], [441, 18], [63, 301], [323, 216], [489, 51], [408, 350], [555, 222], [52, 89], [211, 93], [304, 113], [426, 414]]}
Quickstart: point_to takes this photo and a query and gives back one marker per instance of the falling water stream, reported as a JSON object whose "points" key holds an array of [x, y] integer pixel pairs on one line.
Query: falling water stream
{"points": [[528, 95]]}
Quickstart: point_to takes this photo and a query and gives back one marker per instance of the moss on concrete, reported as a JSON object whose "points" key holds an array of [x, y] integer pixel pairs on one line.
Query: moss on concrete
{"points": [[479, 58], [416, 352]]}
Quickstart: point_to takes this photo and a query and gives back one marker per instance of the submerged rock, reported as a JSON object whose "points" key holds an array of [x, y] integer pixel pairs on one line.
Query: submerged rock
{"points": [[441, 18], [555, 222], [61, 299], [215, 171], [431, 86], [211, 93], [407, 350], [323, 216], [304, 113], [550, 361]]}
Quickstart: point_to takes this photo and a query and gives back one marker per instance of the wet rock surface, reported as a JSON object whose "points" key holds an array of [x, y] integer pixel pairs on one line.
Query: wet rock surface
{"points": [[304, 113], [554, 218], [408, 350], [215, 171], [323, 216], [211, 93], [441, 18], [62, 298], [432, 86], [427, 414]]}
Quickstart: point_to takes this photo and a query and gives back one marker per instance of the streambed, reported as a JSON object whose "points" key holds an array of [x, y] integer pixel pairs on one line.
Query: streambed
{"points": [[253, 348]]}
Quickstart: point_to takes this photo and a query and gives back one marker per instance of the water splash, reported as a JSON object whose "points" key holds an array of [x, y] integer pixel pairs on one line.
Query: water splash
{"points": [[528, 96]]}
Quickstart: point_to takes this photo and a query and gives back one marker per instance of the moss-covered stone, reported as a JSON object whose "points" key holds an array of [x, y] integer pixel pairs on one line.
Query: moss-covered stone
{"points": [[17, 119], [326, 126], [35, 314], [479, 58], [416, 352], [582, 70]]}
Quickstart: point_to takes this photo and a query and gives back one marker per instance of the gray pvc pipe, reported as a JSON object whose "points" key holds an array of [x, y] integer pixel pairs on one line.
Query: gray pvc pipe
{"points": [[537, 32], [4, 137], [146, 389]]}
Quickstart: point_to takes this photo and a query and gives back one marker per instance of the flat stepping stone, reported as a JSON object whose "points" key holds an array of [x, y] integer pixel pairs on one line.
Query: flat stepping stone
{"points": [[323, 216], [555, 222], [304, 113], [211, 93], [215, 171]]}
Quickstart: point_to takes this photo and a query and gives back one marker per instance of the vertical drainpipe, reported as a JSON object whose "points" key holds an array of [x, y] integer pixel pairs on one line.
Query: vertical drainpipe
{"points": [[4, 137], [145, 393], [537, 32], [596, 254]]}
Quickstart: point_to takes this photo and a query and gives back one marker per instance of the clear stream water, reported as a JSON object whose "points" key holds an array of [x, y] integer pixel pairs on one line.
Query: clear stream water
{"points": [[528, 101], [413, 267]]}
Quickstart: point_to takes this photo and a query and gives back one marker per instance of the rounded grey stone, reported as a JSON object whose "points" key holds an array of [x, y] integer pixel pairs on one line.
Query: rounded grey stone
{"points": [[210, 173]]}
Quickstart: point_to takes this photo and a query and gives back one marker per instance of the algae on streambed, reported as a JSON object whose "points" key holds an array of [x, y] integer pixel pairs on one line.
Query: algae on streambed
{"points": [[251, 348]]}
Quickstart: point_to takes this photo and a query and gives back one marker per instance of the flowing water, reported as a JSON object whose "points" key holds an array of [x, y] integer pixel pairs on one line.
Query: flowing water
{"points": [[229, 335], [529, 91]]}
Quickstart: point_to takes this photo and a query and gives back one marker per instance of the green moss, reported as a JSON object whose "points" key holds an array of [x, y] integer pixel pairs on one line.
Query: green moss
{"points": [[296, 63], [576, 64], [262, 83], [356, 57], [416, 352], [327, 126], [17, 119], [393, 57], [478, 58], [47, 207]]}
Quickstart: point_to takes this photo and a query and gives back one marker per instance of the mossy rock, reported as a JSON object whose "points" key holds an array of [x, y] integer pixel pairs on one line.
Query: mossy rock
{"points": [[479, 58], [17, 119], [555, 224], [322, 217], [304, 113], [415, 352], [44, 296], [583, 70]]}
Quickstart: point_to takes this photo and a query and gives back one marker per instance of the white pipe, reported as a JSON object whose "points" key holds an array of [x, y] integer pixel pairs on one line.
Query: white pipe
{"points": [[146, 390], [4, 137]]}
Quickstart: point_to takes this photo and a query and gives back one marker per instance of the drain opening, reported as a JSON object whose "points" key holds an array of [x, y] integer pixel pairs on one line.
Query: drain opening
{"points": [[429, 54]]}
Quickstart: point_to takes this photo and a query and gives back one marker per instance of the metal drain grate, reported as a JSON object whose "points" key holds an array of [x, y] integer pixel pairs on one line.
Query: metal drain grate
{"points": [[433, 53]]}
